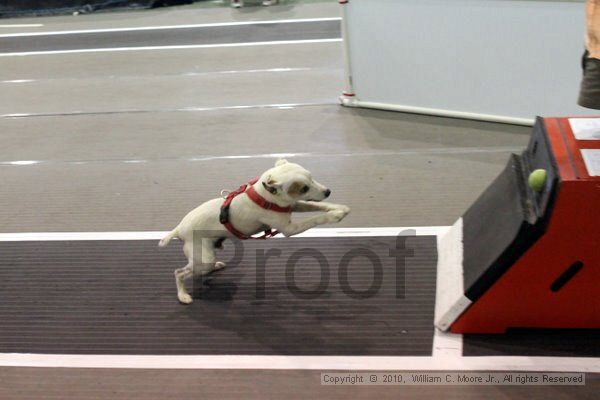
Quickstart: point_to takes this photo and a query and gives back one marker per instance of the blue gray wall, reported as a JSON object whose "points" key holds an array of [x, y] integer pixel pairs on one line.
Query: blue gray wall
{"points": [[501, 57]]}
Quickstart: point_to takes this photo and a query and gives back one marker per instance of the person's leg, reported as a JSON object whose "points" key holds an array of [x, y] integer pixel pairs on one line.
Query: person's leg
{"points": [[589, 94]]}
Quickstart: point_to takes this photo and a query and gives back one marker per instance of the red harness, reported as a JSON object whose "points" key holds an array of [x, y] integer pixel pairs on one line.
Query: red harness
{"points": [[256, 198]]}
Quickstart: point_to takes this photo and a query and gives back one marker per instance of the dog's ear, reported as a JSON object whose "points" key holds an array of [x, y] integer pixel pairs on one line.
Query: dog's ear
{"points": [[281, 161], [272, 186]]}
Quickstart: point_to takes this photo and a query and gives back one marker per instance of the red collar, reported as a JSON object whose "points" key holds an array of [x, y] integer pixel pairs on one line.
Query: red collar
{"points": [[257, 199], [263, 203]]}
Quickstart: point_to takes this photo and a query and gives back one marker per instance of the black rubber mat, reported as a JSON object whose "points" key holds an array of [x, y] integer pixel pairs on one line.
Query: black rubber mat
{"points": [[535, 342], [118, 297], [175, 37]]}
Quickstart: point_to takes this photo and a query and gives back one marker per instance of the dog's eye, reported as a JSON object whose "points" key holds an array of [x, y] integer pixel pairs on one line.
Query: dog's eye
{"points": [[304, 189]]}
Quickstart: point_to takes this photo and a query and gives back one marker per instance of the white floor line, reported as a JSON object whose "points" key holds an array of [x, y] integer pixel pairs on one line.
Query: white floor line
{"points": [[279, 106], [160, 27], [446, 344], [21, 26], [18, 81], [157, 235], [549, 364], [26, 163], [175, 47], [207, 73]]}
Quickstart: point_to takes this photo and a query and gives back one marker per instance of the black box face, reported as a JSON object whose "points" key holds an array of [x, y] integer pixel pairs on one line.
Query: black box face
{"points": [[507, 219], [539, 156]]}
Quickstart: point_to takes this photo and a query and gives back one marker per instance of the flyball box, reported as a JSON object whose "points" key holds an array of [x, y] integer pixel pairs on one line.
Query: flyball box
{"points": [[528, 256]]}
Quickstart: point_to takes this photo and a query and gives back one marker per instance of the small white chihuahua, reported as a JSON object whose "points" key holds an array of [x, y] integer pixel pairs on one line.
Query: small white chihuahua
{"points": [[264, 204]]}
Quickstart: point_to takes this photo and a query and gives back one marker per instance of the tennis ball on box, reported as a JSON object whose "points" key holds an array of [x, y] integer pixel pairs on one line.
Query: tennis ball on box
{"points": [[537, 179]]}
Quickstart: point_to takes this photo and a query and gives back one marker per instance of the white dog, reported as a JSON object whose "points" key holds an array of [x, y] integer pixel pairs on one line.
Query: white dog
{"points": [[265, 204]]}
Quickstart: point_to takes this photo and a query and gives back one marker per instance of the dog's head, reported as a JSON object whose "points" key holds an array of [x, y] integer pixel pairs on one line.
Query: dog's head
{"points": [[290, 182]]}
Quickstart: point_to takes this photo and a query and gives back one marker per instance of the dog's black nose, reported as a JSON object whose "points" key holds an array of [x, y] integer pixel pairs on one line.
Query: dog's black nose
{"points": [[327, 193]]}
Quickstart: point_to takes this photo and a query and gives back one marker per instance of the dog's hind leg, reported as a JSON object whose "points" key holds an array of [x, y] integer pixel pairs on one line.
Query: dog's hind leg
{"points": [[182, 274], [218, 244], [200, 263], [205, 263]]}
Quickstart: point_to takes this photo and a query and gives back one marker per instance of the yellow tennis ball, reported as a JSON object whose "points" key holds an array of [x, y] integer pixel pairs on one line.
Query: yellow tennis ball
{"points": [[537, 179]]}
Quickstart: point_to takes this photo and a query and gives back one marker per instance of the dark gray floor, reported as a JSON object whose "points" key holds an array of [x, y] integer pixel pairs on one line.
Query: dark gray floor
{"points": [[538, 342], [381, 164], [180, 37], [118, 297], [107, 134]]}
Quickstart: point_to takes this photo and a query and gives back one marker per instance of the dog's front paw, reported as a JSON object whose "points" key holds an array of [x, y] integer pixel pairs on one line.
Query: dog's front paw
{"points": [[184, 298], [336, 215], [344, 209]]}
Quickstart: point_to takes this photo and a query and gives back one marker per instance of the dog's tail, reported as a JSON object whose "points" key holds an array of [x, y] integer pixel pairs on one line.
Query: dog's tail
{"points": [[165, 241]]}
